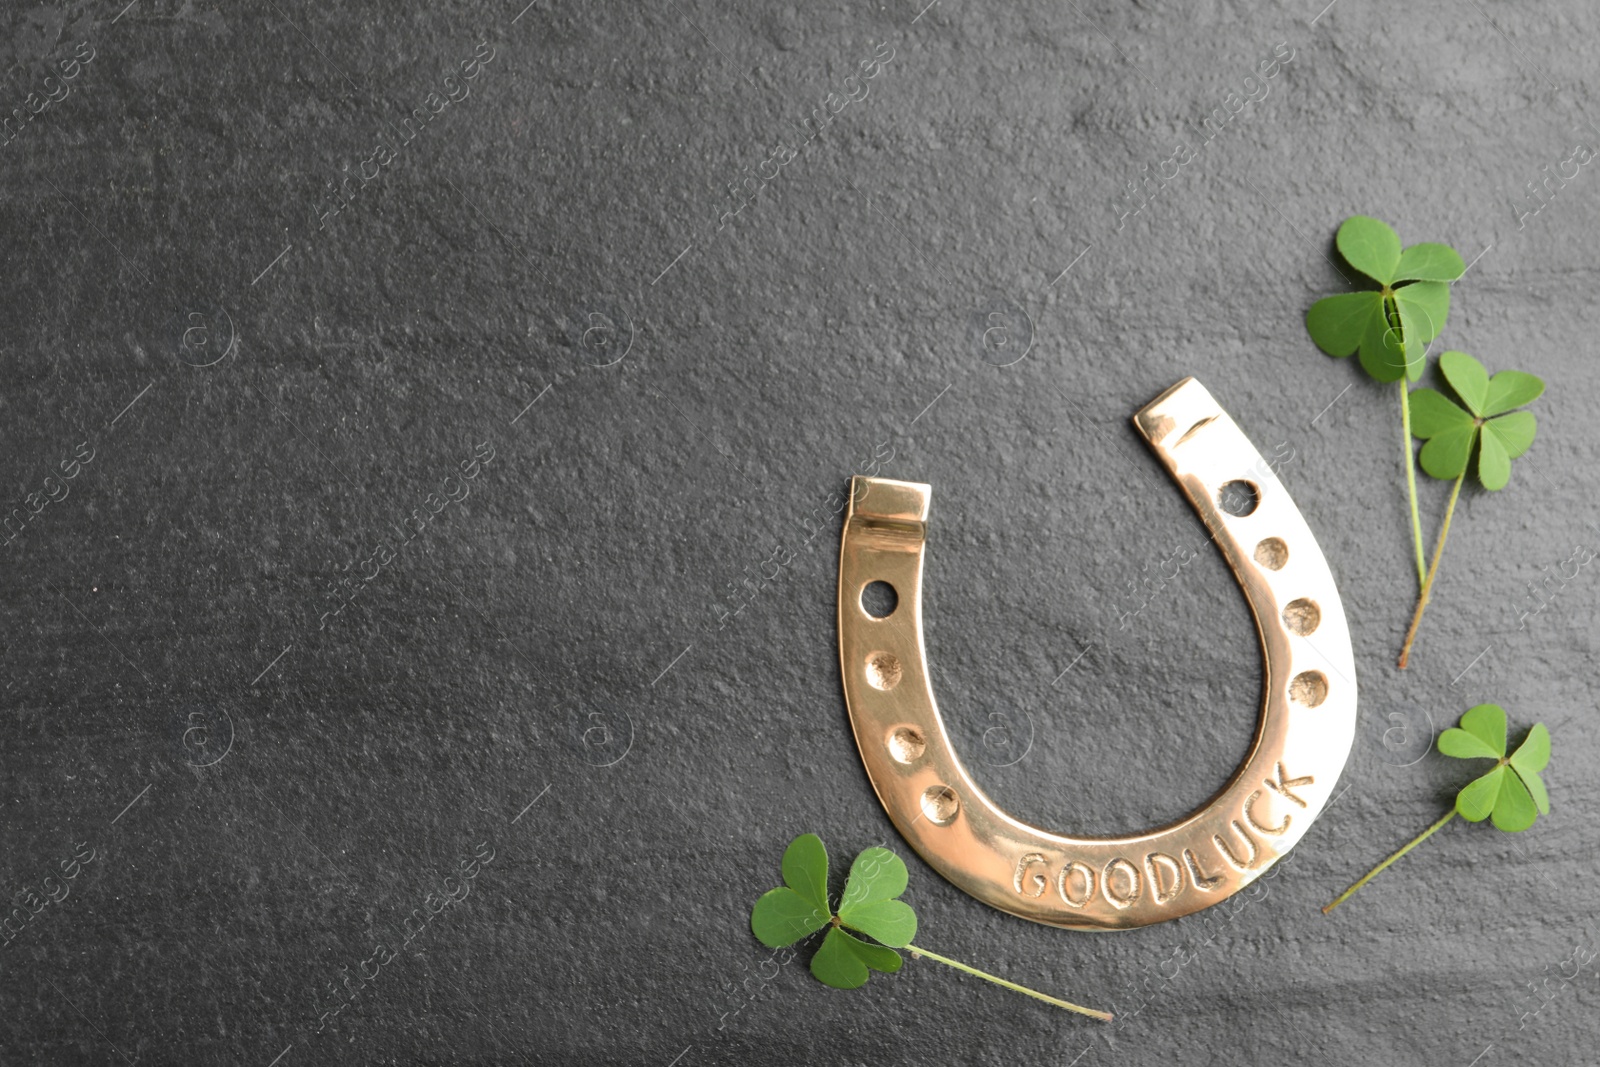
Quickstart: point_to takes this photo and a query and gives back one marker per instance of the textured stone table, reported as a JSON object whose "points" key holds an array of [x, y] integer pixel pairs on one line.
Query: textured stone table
{"points": [[423, 428]]}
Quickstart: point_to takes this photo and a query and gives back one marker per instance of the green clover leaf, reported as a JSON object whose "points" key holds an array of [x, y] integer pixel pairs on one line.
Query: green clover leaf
{"points": [[1511, 794], [1488, 422], [1481, 735], [1369, 246], [1429, 262], [805, 869], [1423, 308], [842, 961], [1391, 326], [869, 906], [1337, 323], [1382, 353], [1531, 757], [800, 907]]}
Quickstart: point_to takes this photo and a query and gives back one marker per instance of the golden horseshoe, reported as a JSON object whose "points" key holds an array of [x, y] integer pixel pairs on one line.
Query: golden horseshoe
{"points": [[1303, 735]]}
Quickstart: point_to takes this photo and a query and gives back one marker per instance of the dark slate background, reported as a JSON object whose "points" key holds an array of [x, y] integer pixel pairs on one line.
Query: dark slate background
{"points": [[252, 728]]}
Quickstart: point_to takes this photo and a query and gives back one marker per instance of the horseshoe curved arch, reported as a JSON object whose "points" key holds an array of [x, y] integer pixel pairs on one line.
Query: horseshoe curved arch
{"points": [[1303, 733]]}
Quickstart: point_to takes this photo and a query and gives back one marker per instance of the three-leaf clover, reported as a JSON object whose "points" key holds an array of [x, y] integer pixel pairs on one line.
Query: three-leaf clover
{"points": [[1511, 794], [1488, 421], [1487, 424], [1390, 326], [800, 907]]}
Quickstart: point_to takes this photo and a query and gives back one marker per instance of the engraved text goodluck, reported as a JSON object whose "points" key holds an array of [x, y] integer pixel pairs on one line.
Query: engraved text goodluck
{"points": [[1266, 813]]}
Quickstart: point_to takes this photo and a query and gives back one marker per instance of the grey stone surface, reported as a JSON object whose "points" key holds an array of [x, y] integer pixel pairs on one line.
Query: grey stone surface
{"points": [[256, 730]]}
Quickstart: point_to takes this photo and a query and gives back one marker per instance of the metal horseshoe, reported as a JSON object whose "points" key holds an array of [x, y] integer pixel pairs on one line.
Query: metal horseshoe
{"points": [[1303, 734]]}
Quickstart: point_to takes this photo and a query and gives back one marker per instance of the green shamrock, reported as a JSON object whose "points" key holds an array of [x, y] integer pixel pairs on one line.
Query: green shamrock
{"points": [[1392, 325], [1488, 420], [1488, 423], [799, 908], [1511, 794]]}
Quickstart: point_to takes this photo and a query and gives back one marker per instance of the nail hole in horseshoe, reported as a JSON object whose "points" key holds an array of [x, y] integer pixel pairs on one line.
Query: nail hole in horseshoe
{"points": [[1239, 498], [1309, 688], [883, 670], [879, 599], [1272, 553], [1302, 616], [940, 804], [906, 744]]}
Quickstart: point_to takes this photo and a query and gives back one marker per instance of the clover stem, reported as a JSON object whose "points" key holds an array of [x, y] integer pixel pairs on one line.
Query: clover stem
{"points": [[1370, 875], [1433, 570], [1411, 475], [1103, 1016]]}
